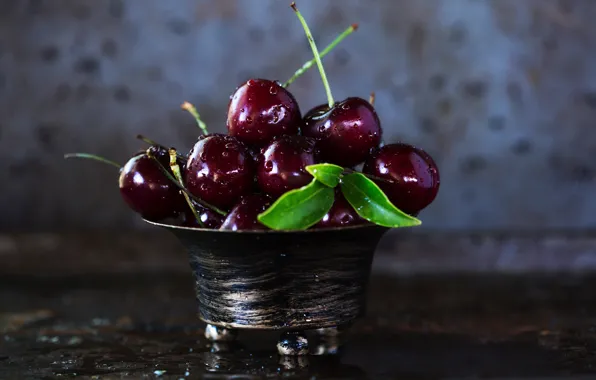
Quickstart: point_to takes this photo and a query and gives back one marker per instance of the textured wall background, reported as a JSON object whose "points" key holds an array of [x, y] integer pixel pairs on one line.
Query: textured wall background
{"points": [[502, 93]]}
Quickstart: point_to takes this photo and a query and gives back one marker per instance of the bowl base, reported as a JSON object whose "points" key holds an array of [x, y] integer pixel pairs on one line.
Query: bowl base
{"points": [[290, 343]]}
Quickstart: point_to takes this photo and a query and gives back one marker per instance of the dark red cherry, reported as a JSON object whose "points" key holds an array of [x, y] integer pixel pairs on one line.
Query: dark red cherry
{"points": [[414, 174], [146, 189], [342, 214], [281, 166], [260, 110], [346, 133], [209, 218], [244, 215], [219, 170]]}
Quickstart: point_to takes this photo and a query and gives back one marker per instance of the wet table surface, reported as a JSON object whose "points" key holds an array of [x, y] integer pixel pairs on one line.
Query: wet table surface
{"points": [[114, 326]]}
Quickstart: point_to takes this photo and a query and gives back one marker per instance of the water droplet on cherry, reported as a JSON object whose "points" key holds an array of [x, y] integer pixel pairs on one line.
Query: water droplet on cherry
{"points": [[265, 104]]}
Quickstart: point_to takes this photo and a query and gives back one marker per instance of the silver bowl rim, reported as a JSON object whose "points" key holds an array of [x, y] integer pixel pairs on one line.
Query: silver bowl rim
{"points": [[270, 232]]}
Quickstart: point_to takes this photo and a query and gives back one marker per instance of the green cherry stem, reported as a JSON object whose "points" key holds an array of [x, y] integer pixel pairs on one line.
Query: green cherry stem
{"points": [[193, 111], [92, 157], [352, 28], [371, 98], [315, 52], [169, 176], [147, 140], [176, 170]]}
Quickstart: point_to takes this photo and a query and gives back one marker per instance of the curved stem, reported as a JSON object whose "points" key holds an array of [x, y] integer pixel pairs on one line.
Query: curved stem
{"points": [[147, 140], [315, 52], [193, 111], [184, 189], [331, 46], [176, 170], [92, 157]]}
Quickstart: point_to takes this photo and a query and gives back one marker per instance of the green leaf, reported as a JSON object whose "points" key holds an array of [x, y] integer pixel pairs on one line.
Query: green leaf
{"points": [[327, 174], [300, 208], [372, 204]]}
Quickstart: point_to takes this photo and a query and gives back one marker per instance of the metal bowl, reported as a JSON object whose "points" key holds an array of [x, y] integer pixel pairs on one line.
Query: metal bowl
{"points": [[274, 280]]}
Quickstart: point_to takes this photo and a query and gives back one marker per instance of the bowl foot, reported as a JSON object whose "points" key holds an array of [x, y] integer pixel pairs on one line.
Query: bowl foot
{"points": [[220, 334], [293, 343]]}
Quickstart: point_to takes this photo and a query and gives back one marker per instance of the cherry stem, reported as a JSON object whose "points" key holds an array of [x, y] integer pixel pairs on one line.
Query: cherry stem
{"points": [[151, 142], [147, 140], [92, 157], [352, 28], [193, 111], [369, 176], [315, 52], [371, 98], [184, 189], [176, 170]]}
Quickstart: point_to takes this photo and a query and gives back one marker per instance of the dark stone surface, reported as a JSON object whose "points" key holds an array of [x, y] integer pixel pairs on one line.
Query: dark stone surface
{"points": [[123, 306], [417, 327]]}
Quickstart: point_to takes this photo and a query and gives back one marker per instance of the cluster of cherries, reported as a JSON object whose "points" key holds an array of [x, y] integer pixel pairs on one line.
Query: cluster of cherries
{"points": [[230, 179]]}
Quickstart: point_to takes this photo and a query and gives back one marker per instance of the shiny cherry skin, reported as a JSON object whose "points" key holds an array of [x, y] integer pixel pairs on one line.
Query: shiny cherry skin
{"points": [[260, 110], [219, 170], [208, 217], [282, 164], [413, 172], [347, 132], [244, 215], [341, 214], [146, 189]]}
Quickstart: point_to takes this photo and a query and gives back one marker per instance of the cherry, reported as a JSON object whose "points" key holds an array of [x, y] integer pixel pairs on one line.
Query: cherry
{"points": [[219, 170], [244, 215], [414, 175], [282, 164], [261, 109], [341, 214], [147, 190], [208, 217], [347, 132]]}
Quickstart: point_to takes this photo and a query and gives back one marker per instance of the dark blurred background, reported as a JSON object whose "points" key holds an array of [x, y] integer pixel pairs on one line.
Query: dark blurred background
{"points": [[502, 93]]}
